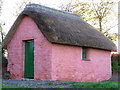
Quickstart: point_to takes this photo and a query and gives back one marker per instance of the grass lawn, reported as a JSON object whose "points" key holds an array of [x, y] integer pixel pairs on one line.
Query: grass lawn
{"points": [[106, 84]]}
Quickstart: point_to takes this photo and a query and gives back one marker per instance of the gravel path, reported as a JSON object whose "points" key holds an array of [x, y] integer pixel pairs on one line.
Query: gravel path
{"points": [[37, 84]]}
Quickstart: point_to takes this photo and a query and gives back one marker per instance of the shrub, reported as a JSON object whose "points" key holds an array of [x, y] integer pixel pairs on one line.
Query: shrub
{"points": [[115, 59]]}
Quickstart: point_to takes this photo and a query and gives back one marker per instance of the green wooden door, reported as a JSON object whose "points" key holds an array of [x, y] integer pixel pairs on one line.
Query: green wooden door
{"points": [[29, 59]]}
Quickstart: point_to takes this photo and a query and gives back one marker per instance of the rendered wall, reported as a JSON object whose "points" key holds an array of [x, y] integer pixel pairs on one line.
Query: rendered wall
{"points": [[67, 64], [42, 51]]}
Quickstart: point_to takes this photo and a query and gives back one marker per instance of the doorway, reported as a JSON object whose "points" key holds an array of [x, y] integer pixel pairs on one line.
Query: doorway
{"points": [[29, 59]]}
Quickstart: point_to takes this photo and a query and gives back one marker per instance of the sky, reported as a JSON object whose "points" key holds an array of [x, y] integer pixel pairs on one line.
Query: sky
{"points": [[10, 6]]}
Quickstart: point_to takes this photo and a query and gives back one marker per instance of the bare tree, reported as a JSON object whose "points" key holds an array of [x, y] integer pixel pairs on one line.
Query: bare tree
{"points": [[102, 10], [1, 30], [20, 6], [95, 13], [2, 33]]}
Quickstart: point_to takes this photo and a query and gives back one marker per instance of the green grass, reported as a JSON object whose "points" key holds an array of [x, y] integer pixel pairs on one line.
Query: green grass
{"points": [[59, 87], [50, 83], [107, 84]]}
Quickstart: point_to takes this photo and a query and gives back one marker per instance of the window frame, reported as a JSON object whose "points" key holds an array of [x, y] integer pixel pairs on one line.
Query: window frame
{"points": [[84, 54]]}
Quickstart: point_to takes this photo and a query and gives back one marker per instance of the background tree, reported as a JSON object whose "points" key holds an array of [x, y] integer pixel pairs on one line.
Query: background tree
{"points": [[102, 11], [2, 33], [20, 6], [95, 13], [0, 42]]}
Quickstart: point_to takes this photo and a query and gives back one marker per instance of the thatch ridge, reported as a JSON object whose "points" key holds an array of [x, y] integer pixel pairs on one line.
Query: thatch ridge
{"points": [[63, 28], [48, 9]]}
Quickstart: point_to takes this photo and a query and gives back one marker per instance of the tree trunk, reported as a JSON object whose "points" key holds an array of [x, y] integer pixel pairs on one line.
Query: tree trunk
{"points": [[100, 24], [2, 40]]}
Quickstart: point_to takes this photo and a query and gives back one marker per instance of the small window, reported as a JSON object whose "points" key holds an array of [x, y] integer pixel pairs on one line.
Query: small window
{"points": [[84, 54]]}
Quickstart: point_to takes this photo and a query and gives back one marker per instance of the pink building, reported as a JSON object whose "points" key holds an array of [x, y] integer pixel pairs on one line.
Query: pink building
{"points": [[48, 44]]}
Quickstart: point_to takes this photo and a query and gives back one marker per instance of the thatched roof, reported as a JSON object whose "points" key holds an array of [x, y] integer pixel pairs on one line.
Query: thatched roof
{"points": [[62, 28]]}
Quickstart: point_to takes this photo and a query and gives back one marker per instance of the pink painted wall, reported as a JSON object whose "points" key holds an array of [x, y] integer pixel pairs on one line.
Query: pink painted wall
{"points": [[42, 51], [67, 64], [54, 61]]}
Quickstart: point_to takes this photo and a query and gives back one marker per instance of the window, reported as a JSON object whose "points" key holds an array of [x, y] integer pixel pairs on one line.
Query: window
{"points": [[84, 54]]}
